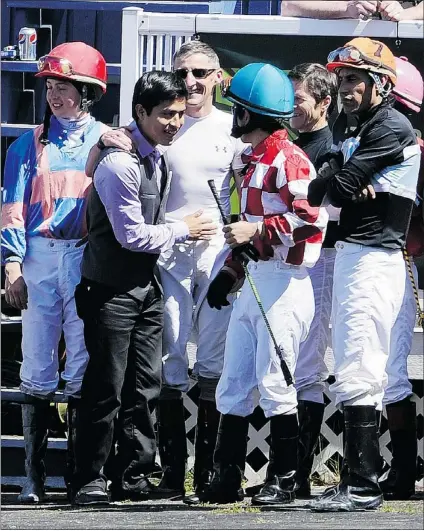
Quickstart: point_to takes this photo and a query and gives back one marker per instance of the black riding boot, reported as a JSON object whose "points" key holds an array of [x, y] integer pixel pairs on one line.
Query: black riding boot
{"points": [[310, 420], [71, 414], [358, 489], [281, 473], [229, 461], [206, 435], [172, 447], [402, 421], [35, 422]]}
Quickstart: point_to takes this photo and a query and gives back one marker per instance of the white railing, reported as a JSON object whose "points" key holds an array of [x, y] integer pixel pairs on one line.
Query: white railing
{"points": [[149, 40], [146, 46]]}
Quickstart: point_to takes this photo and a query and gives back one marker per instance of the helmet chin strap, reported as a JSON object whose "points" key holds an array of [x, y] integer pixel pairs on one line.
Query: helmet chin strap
{"points": [[237, 131], [383, 90], [84, 101]]}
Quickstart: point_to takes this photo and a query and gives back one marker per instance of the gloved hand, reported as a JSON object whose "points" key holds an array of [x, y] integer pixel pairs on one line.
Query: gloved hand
{"points": [[219, 289], [245, 252]]}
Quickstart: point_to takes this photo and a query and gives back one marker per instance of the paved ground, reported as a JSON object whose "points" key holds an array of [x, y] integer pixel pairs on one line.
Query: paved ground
{"points": [[56, 514]]}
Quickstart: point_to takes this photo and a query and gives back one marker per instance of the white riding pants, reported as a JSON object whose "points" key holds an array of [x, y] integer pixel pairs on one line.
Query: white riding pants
{"points": [[311, 370], [250, 360], [186, 272], [368, 291], [52, 269], [398, 385]]}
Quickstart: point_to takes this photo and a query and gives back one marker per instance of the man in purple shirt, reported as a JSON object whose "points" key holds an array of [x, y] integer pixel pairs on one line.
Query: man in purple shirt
{"points": [[120, 296]]}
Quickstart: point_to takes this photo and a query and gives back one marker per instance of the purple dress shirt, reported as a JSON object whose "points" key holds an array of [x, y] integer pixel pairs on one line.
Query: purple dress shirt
{"points": [[117, 181]]}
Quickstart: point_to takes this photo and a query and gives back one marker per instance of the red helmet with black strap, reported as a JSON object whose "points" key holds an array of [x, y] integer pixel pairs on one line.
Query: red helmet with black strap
{"points": [[75, 61]]}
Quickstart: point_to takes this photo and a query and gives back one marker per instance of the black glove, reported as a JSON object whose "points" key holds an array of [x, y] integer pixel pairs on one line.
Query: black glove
{"points": [[219, 289], [245, 252]]}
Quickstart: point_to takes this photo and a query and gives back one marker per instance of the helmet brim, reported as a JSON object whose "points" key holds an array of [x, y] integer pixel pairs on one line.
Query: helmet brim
{"points": [[407, 100], [332, 67], [74, 77], [257, 110]]}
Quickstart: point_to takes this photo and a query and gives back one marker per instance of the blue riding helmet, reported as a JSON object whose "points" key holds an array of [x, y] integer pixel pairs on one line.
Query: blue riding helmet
{"points": [[263, 89]]}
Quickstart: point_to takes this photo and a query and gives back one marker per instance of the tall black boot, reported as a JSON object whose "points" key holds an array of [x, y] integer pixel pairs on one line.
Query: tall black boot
{"points": [[281, 473], [35, 422], [310, 420], [402, 421], [71, 415], [206, 435], [358, 489], [228, 461], [172, 447]]}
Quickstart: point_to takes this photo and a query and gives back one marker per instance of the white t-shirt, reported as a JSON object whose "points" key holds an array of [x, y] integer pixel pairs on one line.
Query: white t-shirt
{"points": [[203, 150]]}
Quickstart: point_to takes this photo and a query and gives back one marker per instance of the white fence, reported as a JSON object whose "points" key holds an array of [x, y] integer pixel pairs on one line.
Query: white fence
{"points": [[149, 40], [329, 451]]}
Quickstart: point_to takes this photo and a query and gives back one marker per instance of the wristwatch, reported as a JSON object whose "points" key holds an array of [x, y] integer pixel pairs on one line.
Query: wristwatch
{"points": [[100, 144]]}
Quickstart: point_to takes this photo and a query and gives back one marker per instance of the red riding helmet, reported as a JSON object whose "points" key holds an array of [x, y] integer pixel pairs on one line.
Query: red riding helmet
{"points": [[409, 89], [75, 61]]}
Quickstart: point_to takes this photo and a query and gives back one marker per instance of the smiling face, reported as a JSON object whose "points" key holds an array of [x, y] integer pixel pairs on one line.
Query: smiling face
{"points": [[200, 90], [308, 114], [163, 123], [63, 98], [357, 91]]}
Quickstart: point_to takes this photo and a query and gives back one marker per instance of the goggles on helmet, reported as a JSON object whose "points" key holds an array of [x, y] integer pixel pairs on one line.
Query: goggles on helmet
{"points": [[350, 54], [55, 65]]}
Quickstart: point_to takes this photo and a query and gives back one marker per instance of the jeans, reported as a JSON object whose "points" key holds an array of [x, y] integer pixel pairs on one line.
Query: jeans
{"points": [[123, 337]]}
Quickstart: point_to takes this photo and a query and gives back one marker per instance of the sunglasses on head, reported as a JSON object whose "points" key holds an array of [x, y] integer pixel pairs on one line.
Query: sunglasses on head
{"points": [[198, 73]]}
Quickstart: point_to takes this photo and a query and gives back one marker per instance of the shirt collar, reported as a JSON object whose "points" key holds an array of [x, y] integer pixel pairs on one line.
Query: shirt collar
{"points": [[255, 154], [142, 144]]}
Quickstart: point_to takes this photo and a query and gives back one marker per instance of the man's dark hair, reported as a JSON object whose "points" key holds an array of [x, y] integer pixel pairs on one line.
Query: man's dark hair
{"points": [[154, 88], [318, 81]]}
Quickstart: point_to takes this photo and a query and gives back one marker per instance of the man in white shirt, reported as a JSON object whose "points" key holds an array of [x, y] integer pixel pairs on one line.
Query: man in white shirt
{"points": [[204, 150]]}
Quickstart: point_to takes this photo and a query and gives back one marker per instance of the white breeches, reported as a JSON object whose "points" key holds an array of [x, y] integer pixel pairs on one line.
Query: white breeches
{"points": [[398, 385], [311, 370], [368, 290], [250, 360], [52, 269], [186, 272]]}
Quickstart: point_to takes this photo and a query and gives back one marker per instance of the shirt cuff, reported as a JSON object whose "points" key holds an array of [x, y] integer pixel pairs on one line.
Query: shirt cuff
{"points": [[10, 259], [181, 231]]}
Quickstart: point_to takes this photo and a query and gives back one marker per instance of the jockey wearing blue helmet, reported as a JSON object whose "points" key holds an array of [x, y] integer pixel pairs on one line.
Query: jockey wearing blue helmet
{"points": [[266, 93], [287, 233], [264, 89]]}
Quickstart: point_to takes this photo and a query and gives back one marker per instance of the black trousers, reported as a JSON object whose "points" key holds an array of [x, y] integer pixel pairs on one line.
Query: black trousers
{"points": [[123, 334]]}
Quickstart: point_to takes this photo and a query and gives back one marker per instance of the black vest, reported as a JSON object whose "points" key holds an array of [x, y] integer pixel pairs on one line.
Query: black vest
{"points": [[105, 261]]}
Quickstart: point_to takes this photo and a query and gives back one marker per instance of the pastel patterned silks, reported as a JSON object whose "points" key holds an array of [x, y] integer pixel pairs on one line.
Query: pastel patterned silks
{"points": [[45, 187]]}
